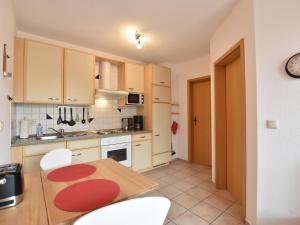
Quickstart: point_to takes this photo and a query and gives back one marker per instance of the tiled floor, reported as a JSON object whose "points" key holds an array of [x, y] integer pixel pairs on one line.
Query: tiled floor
{"points": [[194, 199]]}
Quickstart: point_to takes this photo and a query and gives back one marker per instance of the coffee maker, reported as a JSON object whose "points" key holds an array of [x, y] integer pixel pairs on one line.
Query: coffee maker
{"points": [[138, 122], [127, 124]]}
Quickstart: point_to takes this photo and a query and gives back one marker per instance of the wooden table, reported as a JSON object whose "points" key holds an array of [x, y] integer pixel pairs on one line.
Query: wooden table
{"points": [[38, 206]]}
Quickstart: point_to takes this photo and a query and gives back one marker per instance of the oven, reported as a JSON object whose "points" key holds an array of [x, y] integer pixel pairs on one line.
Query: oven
{"points": [[117, 148]]}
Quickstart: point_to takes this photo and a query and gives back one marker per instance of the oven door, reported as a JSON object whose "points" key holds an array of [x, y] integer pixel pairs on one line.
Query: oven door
{"points": [[119, 152]]}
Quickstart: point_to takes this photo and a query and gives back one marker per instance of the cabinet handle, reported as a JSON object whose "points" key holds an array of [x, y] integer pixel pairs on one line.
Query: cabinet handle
{"points": [[156, 98], [131, 89], [142, 136], [162, 82], [77, 154], [156, 135], [73, 99], [53, 99], [138, 145]]}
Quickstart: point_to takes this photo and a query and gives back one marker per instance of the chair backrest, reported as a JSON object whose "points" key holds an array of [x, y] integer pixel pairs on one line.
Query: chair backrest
{"points": [[56, 158], [139, 211]]}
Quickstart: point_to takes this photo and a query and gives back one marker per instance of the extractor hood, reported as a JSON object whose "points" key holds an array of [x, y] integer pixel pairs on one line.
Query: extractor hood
{"points": [[110, 94]]}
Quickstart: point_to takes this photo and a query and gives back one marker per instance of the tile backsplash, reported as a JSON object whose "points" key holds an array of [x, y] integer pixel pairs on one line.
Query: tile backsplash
{"points": [[106, 116]]}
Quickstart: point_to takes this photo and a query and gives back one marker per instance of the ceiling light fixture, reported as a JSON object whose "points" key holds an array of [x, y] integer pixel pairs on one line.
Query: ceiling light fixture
{"points": [[138, 40]]}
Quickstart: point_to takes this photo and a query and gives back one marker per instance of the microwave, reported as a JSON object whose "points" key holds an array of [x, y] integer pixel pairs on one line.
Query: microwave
{"points": [[135, 99]]}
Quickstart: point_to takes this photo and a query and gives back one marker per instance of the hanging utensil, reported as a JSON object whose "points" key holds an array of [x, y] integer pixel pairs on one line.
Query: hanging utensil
{"points": [[83, 120], [88, 116], [77, 117], [71, 122], [59, 119], [65, 116]]}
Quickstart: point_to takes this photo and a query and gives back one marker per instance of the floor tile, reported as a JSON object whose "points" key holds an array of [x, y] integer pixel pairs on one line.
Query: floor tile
{"points": [[189, 218], [175, 210], [171, 223], [170, 179], [183, 185], [235, 211], [186, 200], [227, 219], [170, 191], [226, 194], [180, 175], [198, 193], [193, 180], [154, 194], [218, 202], [189, 171], [203, 176], [167, 221], [208, 186], [206, 211]]}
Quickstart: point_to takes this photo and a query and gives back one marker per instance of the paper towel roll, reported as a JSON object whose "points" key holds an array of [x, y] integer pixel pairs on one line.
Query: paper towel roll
{"points": [[24, 128]]}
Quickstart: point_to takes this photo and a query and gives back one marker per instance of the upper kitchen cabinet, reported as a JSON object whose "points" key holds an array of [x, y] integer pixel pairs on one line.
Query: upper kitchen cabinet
{"points": [[79, 83], [43, 73], [132, 78], [161, 75]]}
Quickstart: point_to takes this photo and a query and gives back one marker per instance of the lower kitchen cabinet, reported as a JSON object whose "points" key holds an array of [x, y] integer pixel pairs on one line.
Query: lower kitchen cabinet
{"points": [[161, 159], [85, 155], [141, 156]]}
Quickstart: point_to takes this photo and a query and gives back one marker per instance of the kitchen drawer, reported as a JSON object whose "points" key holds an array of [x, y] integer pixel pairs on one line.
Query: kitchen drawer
{"points": [[141, 156], [90, 143], [161, 94], [161, 159], [41, 149], [141, 137], [85, 155]]}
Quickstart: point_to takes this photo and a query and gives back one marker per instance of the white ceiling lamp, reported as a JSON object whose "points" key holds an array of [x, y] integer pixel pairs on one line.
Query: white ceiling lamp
{"points": [[138, 40]]}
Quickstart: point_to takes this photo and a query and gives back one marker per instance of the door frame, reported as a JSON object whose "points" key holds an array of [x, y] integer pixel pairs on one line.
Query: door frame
{"points": [[190, 111], [220, 118]]}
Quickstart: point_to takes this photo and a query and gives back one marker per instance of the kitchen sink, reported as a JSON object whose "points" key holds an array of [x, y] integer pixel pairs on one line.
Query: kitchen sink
{"points": [[75, 134], [49, 137]]}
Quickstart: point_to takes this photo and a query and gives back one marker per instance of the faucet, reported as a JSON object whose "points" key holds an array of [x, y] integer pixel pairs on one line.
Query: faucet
{"points": [[60, 132]]}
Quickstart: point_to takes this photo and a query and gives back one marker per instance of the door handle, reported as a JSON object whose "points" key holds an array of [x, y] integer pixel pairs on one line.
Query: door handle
{"points": [[77, 154], [195, 120]]}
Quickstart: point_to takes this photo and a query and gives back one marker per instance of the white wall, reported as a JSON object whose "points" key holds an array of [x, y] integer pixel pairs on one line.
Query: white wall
{"points": [[278, 38], [240, 24], [181, 73], [7, 32]]}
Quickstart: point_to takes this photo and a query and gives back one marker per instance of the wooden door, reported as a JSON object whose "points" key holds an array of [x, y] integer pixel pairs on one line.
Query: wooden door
{"points": [[161, 94], [235, 107], [79, 86], [161, 75], [134, 79], [161, 128], [43, 73], [201, 120]]}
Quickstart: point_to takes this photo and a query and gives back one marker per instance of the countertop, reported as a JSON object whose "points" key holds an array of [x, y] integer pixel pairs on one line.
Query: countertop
{"points": [[88, 135]]}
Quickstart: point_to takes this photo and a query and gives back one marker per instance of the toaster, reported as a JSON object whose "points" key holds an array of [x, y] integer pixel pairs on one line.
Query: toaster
{"points": [[11, 185]]}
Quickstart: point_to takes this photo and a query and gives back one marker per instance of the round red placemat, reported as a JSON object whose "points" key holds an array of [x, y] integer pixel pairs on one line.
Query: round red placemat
{"points": [[87, 195], [69, 173]]}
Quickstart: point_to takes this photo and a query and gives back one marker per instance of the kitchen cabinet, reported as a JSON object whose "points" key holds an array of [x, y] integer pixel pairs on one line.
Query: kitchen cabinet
{"points": [[85, 155], [141, 156], [161, 128], [161, 94], [161, 75], [157, 111], [18, 76], [43, 73], [79, 82], [132, 78]]}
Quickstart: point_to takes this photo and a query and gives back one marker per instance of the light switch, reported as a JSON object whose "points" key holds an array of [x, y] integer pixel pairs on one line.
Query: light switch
{"points": [[272, 124], [1, 126]]}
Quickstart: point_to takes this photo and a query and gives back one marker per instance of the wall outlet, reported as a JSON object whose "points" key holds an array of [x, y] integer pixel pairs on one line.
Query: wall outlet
{"points": [[272, 124]]}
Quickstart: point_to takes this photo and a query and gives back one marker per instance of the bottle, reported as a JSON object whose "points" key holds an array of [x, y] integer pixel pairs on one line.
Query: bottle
{"points": [[39, 130], [24, 128]]}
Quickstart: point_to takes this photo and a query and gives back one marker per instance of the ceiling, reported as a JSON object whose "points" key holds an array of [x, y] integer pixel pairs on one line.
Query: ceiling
{"points": [[172, 30]]}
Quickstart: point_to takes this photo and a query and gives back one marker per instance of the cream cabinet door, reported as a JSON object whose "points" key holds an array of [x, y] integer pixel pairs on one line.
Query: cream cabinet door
{"points": [[141, 155], [161, 94], [134, 77], [161, 125], [79, 82], [85, 155], [161, 158], [161, 75], [43, 73]]}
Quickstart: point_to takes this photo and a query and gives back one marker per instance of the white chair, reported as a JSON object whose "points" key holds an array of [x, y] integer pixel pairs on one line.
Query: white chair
{"points": [[139, 211], [56, 158]]}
